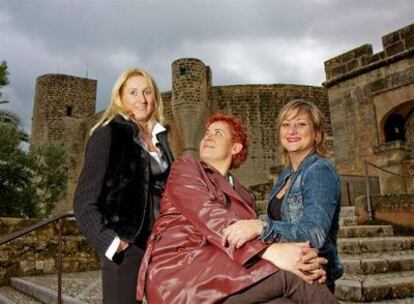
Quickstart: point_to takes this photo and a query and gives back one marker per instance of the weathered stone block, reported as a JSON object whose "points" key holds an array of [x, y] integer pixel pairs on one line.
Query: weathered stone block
{"points": [[352, 266], [349, 290], [378, 85], [409, 42], [391, 38], [398, 263], [407, 31], [395, 48], [27, 265], [374, 266]]}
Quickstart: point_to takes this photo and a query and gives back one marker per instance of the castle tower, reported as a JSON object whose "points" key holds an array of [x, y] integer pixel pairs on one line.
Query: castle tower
{"points": [[376, 93], [191, 81], [62, 106]]}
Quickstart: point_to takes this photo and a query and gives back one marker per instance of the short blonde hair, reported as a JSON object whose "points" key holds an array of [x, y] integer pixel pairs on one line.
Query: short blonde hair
{"points": [[118, 107], [317, 118]]}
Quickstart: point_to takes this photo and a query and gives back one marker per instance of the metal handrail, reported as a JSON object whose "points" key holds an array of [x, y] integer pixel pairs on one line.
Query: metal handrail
{"points": [[369, 206], [58, 221], [385, 170]]}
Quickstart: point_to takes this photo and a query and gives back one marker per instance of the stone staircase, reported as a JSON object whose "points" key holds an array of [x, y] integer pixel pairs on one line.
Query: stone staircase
{"points": [[379, 266]]}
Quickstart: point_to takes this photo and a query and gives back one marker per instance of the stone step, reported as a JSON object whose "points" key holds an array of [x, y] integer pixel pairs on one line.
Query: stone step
{"points": [[386, 263], [375, 287], [9, 295], [393, 301], [78, 287], [375, 244], [365, 231], [41, 293], [371, 255], [348, 221], [347, 211]]}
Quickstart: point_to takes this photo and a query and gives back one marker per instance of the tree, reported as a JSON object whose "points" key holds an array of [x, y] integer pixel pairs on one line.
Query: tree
{"points": [[31, 182], [50, 175], [4, 80], [16, 189], [9, 118], [5, 115]]}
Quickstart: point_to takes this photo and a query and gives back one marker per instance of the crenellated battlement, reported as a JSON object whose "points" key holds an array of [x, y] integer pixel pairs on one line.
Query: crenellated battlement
{"points": [[395, 44]]}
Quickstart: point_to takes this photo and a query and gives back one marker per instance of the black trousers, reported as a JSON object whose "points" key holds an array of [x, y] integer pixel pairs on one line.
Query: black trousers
{"points": [[119, 277], [283, 287]]}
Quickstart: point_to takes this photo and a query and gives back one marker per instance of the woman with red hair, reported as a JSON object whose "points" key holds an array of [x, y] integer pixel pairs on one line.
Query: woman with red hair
{"points": [[186, 260]]}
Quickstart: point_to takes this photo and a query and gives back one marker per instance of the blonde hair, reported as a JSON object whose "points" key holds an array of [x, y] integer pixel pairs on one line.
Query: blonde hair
{"points": [[118, 107], [318, 122]]}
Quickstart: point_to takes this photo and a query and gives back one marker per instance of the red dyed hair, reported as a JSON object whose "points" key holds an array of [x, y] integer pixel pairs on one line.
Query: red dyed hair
{"points": [[238, 135]]}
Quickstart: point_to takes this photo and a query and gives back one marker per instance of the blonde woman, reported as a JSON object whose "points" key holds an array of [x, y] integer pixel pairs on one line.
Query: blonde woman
{"points": [[127, 161], [305, 202]]}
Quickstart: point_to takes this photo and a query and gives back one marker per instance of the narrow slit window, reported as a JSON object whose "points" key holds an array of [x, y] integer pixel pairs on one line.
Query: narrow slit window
{"points": [[69, 111]]}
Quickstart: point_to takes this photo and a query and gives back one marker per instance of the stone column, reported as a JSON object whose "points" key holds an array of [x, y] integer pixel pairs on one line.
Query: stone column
{"points": [[189, 101]]}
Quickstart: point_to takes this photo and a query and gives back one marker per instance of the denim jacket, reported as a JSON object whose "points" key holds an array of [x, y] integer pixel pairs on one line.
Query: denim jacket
{"points": [[309, 210]]}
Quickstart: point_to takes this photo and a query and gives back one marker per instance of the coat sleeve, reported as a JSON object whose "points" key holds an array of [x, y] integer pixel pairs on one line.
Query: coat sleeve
{"points": [[88, 215], [192, 195], [320, 201]]}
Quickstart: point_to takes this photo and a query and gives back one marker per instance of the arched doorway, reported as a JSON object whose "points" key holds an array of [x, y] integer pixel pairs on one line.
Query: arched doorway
{"points": [[394, 127], [396, 123], [409, 133]]}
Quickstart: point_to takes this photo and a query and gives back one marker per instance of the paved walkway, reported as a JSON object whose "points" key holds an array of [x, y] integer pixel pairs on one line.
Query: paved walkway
{"points": [[83, 286]]}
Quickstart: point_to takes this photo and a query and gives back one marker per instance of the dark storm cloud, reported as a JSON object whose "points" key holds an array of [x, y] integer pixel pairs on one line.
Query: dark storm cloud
{"points": [[243, 41]]}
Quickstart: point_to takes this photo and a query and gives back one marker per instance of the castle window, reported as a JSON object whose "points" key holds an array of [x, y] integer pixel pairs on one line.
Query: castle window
{"points": [[394, 128], [69, 111], [182, 71]]}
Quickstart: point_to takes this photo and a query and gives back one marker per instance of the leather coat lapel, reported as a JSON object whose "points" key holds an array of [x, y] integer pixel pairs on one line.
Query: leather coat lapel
{"points": [[221, 183], [244, 194]]}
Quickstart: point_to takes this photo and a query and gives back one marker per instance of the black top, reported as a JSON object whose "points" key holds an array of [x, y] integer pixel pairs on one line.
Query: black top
{"points": [[274, 208], [158, 179], [114, 196]]}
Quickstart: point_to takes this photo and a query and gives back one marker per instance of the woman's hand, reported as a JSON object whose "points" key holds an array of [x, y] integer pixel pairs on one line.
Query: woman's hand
{"points": [[314, 266], [297, 258], [241, 232], [123, 245]]}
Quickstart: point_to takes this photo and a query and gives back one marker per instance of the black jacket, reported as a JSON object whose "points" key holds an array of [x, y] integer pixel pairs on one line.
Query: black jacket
{"points": [[112, 196]]}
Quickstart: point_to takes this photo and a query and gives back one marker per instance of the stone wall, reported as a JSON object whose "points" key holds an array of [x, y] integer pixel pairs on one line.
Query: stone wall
{"points": [[36, 253], [257, 107], [353, 186], [393, 208]]}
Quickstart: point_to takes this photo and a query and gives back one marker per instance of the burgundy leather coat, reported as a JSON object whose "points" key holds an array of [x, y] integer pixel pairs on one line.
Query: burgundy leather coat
{"points": [[185, 261]]}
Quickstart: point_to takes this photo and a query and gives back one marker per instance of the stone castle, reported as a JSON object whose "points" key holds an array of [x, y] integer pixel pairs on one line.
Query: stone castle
{"points": [[368, 100]]}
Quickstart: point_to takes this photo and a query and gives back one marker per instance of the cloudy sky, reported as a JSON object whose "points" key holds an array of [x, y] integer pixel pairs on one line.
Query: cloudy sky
{"points": [[243, 41]]}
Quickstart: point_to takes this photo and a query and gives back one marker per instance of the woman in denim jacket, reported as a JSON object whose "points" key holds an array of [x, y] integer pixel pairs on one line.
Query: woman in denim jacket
{"points": [[304, 203]]}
